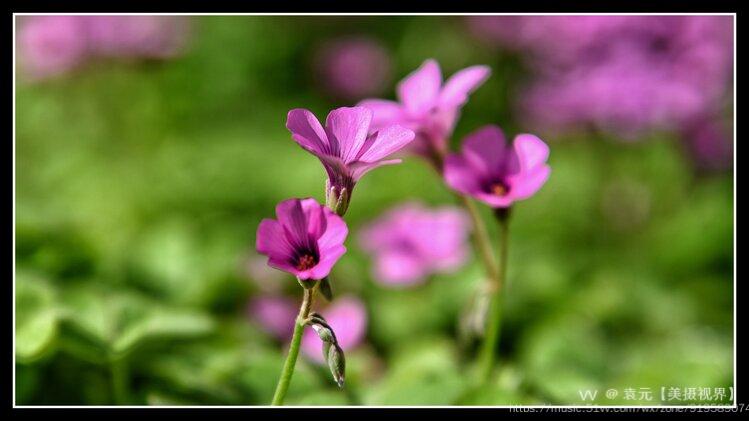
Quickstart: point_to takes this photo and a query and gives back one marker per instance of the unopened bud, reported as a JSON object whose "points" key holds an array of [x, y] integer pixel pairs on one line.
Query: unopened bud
{"points": [[336, 363], [337, 197]]}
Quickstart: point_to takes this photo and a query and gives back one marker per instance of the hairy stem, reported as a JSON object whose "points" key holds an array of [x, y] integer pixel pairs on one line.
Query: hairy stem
{"points": [[296, 340], [494, 322]]}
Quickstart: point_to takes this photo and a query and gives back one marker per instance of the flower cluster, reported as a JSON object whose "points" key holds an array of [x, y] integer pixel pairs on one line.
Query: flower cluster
{"points": [[306, 239], [410, 242], [53, 45], [620, 73]]}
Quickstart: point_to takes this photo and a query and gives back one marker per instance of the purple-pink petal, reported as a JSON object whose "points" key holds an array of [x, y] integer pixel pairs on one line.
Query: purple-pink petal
{"points": [[335, 232], [420, 90], [347, 127], [271, 241], [327, 260], [385, 142], [531, 151], [307, 131], [359, 168], [528, 183], [485, 149], [461, 175], [384, 113], [457, 88], [306, 240]]}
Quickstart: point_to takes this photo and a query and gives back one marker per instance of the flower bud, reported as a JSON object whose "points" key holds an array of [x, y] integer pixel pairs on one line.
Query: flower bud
{"points": [[331, 351], [324, 332], [336, 363], [337, 198]]}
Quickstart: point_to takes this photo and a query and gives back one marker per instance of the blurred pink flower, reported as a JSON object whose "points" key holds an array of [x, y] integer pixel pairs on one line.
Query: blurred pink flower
{"points": [[353, 68], [710, 143], [495, 172], [136, 35], [51, 45], [306, 240], [624, 74], [347, 316], [427, 106], [276, 314], [411, 242]]}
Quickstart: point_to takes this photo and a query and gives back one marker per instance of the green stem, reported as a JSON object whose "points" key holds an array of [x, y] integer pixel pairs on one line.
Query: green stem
{"points": [[118, 367], [491, 338], [481, 239], [296, 340]]}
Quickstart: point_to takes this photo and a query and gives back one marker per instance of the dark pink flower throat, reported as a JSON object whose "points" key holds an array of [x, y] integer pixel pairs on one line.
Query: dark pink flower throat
{"points": [[305, 262]]}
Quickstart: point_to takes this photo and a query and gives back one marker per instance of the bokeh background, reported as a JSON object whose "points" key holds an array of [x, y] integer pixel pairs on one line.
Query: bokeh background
{"points": [[149, 148]]}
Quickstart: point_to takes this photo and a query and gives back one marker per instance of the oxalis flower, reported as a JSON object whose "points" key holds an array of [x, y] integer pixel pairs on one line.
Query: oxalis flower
{"points": [[345, 148], [306, 240], [495, 172], [427, 106]]}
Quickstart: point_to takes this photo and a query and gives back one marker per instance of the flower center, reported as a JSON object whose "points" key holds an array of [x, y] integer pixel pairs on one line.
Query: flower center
{"points": [[499, 189], [305, 262]]}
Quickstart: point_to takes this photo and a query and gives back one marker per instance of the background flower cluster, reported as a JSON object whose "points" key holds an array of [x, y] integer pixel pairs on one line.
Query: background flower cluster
{"points": [[149, 148]]}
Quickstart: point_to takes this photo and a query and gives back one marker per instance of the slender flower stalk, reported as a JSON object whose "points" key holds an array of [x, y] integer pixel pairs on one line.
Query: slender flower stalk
{"points": [[306, 240], [296, 341], [481, 240], [497, 173], [488, 353]]}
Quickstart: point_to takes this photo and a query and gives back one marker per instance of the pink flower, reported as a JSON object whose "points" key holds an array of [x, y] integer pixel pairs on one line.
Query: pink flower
{"points": [[275, 314], [710, 143], [51, 45], [344, 147], [348, 318], [306, 240], [495, 172], [353, 68], [427, 106], [411, 242], [623, 74], [136, 35]]}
